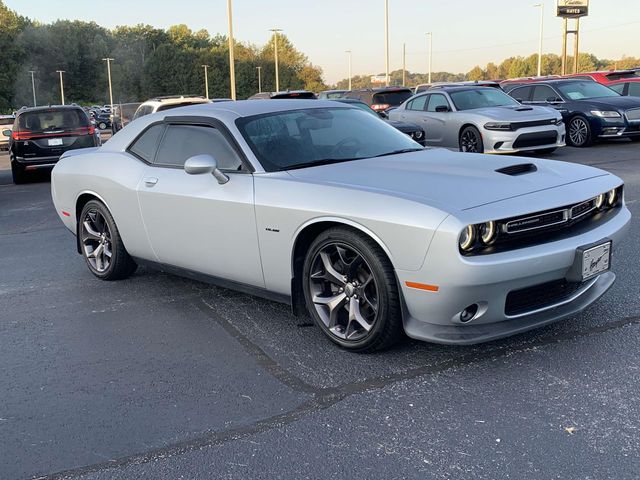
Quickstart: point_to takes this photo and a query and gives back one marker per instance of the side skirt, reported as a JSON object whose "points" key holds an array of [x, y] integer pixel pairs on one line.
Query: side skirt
{"points": [[217, 281]]}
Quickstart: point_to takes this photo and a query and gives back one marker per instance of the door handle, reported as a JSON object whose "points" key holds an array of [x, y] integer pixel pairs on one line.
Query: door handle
{"points": [[150, 181]]}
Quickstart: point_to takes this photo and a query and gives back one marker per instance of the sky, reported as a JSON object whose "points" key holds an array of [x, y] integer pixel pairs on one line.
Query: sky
{"points": [[466, 33]]}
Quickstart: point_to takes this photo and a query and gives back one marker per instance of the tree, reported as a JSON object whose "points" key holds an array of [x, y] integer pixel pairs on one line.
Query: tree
{"points": [[476, 73]]}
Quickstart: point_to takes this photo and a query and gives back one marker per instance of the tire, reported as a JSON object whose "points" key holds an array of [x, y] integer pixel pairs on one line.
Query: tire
{"points": [[579, 132], [546, 151], [18, 174], [635, 139], [471, 140], [364, 314], [102, 126], [99, 237]]}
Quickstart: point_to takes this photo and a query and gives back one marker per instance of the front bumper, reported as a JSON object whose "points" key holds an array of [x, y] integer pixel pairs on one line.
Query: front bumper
{"points": [[496, 141], [486, 280]]}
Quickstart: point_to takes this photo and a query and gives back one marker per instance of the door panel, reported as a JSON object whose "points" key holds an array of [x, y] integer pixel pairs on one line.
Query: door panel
{"points": [[194, 222]]}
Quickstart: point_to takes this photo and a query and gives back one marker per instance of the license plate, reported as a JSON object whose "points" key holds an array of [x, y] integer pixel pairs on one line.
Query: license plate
{"points": [[596, 260], [55, 141]]}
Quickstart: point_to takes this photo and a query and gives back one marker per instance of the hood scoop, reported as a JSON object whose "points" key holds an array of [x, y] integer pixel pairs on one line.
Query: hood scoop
{"points": [[523, 109], [519, 169]]}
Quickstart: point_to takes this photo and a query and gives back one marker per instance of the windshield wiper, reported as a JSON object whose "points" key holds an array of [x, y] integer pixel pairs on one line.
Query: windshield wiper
{"points": [[395, 152], [325, 161]]}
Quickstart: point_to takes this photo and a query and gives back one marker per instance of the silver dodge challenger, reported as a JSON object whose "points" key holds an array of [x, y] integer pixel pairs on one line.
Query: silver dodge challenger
{"points": [[330, 209], [482, 120]]}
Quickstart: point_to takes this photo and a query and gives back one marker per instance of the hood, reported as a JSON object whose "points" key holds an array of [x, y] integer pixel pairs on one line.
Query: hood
{"points": [[517, 113], [447, 180], [620, 103]]}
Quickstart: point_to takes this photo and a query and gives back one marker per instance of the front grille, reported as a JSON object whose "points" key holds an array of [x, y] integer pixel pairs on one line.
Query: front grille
{"points": [[540, 296], [633, 114], [536, 139], [535, 123]]}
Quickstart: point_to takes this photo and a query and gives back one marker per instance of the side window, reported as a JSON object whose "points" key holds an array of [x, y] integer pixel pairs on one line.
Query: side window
{"points": [[417, 103], [146, 145], [618, 87], [542, 93], [522, 94], [437, 100], [181, 142], [634, 89]]}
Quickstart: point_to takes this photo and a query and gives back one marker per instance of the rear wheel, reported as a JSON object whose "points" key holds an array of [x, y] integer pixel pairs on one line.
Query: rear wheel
{"points": [[102, 126], [101, 245], [351, 291], [18, 173], [471, 140], [579, 132]]}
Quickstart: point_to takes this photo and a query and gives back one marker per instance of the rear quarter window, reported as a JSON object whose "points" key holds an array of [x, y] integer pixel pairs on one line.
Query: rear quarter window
{"points": [[146, 145]]}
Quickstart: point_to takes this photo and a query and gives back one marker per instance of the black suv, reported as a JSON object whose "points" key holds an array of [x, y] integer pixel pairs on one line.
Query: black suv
{"points": [[41, 135], [381, 99]]}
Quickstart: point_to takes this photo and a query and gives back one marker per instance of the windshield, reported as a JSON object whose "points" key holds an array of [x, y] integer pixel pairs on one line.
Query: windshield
{"points": [[315, 136], [481, 98], [584, 90], [392, 98], [52, 120]]}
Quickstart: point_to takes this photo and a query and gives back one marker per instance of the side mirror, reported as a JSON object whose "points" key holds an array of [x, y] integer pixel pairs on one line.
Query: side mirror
{"points": [[519, 100], [6, 132], [442, 109], [383, 114], [205, 163], [553, 100]]}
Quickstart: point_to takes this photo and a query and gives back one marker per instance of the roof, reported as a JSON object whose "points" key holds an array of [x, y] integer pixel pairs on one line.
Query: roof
{"points": [[380, 89], [247, 108], [334, 91], [48, 107]]}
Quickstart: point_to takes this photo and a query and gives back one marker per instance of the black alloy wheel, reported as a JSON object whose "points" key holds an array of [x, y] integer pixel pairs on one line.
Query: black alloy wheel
{"points": [[351, 291], [471, 141]]}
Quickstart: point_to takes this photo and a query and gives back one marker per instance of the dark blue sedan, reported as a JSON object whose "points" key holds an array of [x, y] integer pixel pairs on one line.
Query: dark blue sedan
{"points": [[590, 110]]}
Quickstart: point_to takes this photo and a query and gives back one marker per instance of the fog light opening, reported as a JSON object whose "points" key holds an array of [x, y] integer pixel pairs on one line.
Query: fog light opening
{"points": [[497, 145], [469, 313]]}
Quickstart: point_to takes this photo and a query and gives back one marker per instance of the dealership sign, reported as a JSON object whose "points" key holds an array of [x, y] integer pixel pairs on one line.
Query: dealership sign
{"points": [[573, 8]]}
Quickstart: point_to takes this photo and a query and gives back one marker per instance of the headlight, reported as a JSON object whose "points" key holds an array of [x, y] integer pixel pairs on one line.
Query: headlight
{"points": [[605, 113], [497, 126], [467, 238], [418, 134], [488, 232], [559, 121], [600, 201], [612, 197]]}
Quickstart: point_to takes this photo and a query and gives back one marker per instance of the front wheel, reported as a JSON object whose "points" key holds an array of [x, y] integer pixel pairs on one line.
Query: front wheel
{"points": [[101, 245], [579, 132], [471, 140], [351, 292]]}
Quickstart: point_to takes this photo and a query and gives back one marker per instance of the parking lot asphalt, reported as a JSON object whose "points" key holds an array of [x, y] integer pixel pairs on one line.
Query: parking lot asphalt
{"points": [[162, 377]]}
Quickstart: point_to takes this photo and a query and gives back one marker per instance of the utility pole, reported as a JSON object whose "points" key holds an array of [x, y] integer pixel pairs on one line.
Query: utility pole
{"points": [[33, 86], [275, 51], [386, 40], [404, 63], [576, 49], [232, 66], [564, 46], [349, 53], [259, 79], [541, 5], [109, 60], [430, 37], [61, 85], [206, 80]]}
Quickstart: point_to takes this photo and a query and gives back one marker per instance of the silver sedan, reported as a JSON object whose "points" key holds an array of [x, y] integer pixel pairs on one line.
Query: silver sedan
{"points": [[330, 209], [482, 120]]}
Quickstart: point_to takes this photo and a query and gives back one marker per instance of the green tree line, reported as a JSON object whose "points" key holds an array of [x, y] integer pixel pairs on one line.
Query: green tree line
{"points": [[147, 62]]}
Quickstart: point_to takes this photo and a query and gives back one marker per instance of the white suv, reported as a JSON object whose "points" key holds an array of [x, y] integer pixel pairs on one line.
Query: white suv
{"points": [[158, 104]]}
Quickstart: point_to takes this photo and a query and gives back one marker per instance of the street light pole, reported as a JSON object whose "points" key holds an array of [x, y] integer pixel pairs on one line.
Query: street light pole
{"points": [[206, 80], [61, 85], [386, 40], [541, 5], [404, 63], [33, 86], [430, 36], [349, 53], [259, 79], [232, 66], [275, 50], [109, 60]]}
